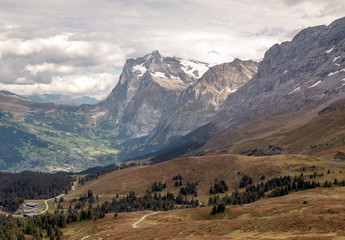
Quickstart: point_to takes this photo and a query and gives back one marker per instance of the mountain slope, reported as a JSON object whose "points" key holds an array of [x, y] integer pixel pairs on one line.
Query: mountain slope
{"points": [[323, 135], [314, 213], [199, 103], [152, 90], [49, 137], [145, 88], [160, 98], [295, 80]]}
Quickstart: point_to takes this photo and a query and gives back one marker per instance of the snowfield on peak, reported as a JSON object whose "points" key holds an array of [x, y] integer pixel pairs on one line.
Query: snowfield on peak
{"points": [[139, 68], [159, 75], [190, 67], [315, 84]]}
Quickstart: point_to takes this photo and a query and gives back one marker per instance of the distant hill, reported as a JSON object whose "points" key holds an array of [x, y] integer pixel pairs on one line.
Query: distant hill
{"points": [[61, 99]]}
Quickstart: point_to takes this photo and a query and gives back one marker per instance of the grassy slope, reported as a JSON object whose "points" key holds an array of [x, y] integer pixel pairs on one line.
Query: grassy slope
{"points": [[323, 217], [204, 170], [275, 218], [322, 135]]}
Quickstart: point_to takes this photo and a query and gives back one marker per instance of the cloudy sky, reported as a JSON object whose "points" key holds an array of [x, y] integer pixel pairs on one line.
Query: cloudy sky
{"points": [[79, 47]]}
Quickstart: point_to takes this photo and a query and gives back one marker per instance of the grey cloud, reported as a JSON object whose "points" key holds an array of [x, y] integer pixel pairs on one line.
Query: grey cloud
{"points": [[214, 52], [44, 77], [100, 35]]}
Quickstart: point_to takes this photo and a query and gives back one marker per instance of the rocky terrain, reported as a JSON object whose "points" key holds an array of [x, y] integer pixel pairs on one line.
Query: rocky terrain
{"points": [[160, 98], [295, 79]]}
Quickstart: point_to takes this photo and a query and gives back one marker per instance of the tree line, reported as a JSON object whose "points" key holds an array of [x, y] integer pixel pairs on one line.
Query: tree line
{"points": [[15, 187]]}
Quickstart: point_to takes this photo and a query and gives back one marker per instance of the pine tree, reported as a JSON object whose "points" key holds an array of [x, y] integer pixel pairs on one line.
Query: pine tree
{"points": [[221, 208], [49, 230], [214, 210]]}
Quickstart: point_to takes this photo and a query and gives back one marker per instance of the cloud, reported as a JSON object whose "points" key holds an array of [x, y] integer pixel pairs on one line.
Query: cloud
{"points": [[79, 47]]}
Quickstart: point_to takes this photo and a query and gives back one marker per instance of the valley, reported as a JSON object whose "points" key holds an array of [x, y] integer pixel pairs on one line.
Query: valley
{"points": [[182, 149]]}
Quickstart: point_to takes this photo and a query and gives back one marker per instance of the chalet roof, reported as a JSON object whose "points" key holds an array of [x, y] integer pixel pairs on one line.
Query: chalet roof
{"points": [[30, 214], [29, 211], [29, 204]]}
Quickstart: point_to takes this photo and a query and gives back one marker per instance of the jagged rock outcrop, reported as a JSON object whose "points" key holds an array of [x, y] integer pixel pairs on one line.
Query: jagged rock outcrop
{"points": [[199, 103], [148, 86], [159, 98]]}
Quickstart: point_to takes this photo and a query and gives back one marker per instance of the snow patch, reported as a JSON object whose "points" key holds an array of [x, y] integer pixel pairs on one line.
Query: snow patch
{"points": [[172, 82], [190, 66], [330, 50], [314, 85], [336, 58], [297, 89], [139, 68], [231, 91], [159, 75], [333, 73]]}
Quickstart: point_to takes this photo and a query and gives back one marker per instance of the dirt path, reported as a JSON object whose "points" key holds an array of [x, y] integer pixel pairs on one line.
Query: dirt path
{"points": [[135, 224], [61, 195]]}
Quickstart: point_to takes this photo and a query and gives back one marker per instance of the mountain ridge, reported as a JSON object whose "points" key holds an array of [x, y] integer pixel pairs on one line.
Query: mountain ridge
{"points": [[296, 77], [61, 99]]}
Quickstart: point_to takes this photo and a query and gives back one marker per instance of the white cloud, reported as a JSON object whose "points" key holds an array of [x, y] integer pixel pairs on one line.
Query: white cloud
{"points": [[96, 85], [79, 47]]}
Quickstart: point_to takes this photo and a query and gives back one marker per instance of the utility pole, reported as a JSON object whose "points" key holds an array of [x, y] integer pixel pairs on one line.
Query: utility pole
{"points": [[236, 173], [123, 187], [163, 179]]}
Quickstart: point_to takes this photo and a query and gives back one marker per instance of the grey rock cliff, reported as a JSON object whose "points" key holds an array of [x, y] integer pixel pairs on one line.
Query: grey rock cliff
{"points": [[305, 73], [160, 98]]}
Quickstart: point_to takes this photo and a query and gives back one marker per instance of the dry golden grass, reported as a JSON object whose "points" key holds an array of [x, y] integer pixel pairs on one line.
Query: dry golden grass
{"points": [[323, 217], [204, 170], [320, 135]]}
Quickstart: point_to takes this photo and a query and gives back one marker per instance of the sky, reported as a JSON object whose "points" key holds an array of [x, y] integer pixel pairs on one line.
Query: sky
{"points": [[79, 47]]}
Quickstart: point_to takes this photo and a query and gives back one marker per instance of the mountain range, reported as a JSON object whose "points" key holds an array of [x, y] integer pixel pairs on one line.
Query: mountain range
{"points": [[61, 99], [166, 107]]}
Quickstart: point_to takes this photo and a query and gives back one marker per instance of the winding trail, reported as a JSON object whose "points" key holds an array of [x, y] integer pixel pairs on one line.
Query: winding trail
{"points": [[61, 195], [135, 224]]}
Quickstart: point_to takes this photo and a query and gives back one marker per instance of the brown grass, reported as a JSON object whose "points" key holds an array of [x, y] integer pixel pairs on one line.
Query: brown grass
{"points": [[321, 135], [323, 217], [205, 170]]}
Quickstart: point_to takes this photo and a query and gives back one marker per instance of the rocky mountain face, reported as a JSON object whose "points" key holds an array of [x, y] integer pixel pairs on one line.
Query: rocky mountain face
{"points": [[305, 74], [159, 98], [145, 87], [308, 71], [199, 103]]}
